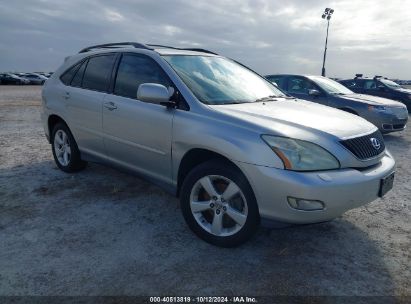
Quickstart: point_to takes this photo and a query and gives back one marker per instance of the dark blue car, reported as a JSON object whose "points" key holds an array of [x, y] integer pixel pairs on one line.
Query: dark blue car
{"points": [[388, 115], [379, 86]]}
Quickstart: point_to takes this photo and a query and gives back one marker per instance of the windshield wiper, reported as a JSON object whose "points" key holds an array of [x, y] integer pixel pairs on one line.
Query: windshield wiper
{"points": [[268, 98]]}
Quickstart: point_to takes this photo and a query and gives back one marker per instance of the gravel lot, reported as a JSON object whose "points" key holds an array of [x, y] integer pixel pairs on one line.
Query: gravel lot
{"points": [[102, 232]]}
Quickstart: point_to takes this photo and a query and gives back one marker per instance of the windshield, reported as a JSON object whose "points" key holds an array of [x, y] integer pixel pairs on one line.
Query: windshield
{"points": [[217, 80], [390, 83], [330, 86]]}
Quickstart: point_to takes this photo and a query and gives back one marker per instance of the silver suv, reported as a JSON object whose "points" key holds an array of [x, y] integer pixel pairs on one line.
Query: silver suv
{"points": [[232, 146]]}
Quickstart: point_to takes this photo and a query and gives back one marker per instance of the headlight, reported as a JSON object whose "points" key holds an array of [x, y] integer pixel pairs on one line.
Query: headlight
{"points": [[300, 155], [378, 108]]}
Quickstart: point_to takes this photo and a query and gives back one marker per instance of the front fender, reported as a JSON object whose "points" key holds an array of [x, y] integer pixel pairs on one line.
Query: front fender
{"points": [[233, 142]]}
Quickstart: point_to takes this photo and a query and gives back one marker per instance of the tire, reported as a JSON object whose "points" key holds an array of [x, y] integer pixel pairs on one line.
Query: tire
{"points": [[220, 219], [65, 150]]}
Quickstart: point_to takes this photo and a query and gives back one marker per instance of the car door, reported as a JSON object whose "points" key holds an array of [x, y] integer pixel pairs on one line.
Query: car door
{"points": [[384, 91], [138, 134], [300, 87], [84, 101]]}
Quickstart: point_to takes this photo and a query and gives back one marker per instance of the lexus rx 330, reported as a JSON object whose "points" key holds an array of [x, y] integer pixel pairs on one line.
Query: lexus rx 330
{"points": [[234, 148]]}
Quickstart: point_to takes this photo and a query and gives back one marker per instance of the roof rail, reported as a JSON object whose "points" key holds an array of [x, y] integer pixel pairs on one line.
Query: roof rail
{"points": [[162, 46], [141, 46], [199, 50], [183, 49], [115, 45], [358, 75], [377, 76]]}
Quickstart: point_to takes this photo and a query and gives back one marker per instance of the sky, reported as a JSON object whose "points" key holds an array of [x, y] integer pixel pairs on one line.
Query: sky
{"points": [[372, 37]]}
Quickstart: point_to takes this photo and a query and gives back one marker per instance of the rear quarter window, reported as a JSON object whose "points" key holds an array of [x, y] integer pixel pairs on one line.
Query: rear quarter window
{"points": [[69, 74], [78, 78]]}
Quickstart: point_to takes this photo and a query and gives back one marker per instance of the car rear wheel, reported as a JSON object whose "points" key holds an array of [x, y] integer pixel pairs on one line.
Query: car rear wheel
{"points": [[219, 205], [65, 151]]}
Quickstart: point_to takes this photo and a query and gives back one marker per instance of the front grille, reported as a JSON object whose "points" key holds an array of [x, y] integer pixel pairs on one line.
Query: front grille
{"points": [[363, 148]]}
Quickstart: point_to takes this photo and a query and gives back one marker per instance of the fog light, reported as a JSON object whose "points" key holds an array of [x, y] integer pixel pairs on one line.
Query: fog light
{"points": [[304, 204]]}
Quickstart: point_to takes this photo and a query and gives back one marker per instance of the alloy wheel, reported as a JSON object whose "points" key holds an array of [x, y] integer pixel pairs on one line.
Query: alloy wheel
{"points": [[218, 205], [62, 147]]}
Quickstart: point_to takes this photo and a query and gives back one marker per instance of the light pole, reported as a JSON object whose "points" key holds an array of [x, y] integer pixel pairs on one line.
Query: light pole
{"points": [[326, 15]]}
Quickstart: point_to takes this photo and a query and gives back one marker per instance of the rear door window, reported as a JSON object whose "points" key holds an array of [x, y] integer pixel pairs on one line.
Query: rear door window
{"points": [[98, 71], [134, 70]]}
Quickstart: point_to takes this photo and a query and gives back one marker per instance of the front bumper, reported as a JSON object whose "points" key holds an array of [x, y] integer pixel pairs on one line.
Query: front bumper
{"points": [[389, 122], [340, 190]]}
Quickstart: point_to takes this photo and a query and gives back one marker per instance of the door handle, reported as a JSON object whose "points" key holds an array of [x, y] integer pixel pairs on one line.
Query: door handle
{"points": [[110, 105], [66, 95]]}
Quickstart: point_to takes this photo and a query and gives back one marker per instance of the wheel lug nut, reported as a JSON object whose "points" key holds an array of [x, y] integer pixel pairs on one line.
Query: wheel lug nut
{"points": [[225, 208], [217, 211], [212, 205], [214, 198]]}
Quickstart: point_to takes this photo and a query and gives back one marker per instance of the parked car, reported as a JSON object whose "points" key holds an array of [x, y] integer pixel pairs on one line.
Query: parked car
{"points": [[234, 148], [379, 86], [34, 78], [388, 115], [9, 78], [45, 74]]}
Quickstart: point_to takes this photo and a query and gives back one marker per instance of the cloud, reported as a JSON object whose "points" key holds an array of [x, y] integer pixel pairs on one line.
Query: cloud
{"points": [[172, 30], [269, 36], [112, 15]]}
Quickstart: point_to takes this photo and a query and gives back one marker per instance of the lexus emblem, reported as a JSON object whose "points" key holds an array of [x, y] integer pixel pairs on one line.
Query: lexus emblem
{"points": [[375, 143]]}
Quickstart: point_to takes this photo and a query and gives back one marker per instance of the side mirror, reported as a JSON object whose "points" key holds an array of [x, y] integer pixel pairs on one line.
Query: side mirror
{"points": [[153, 92], [274, 83], [314, 92]]}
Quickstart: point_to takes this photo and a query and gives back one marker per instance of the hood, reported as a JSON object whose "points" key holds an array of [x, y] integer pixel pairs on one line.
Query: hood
{"points": [[370, 99], [297, 114]]}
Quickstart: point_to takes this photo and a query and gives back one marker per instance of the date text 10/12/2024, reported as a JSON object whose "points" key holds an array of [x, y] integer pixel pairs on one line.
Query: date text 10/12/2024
{"points": [[239, 299]]}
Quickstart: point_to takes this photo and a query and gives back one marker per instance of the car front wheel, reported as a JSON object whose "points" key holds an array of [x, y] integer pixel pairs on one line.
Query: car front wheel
{"points": [[219, 205]]}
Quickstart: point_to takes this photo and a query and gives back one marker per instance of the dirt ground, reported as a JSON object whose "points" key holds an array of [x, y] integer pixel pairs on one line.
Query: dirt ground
{"points": [[102, 232]]}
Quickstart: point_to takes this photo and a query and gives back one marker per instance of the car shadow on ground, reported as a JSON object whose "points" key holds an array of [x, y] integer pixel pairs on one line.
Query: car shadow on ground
{"points": [[396, 139], [102, 232]]}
